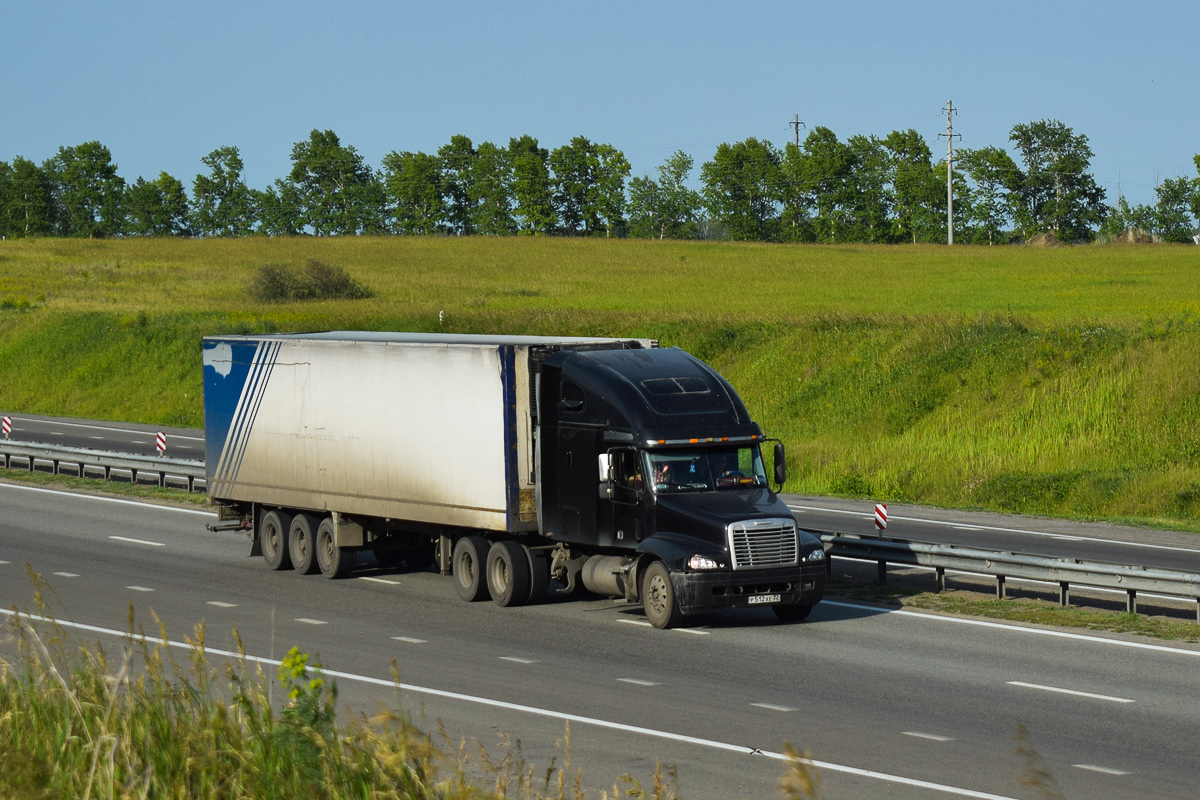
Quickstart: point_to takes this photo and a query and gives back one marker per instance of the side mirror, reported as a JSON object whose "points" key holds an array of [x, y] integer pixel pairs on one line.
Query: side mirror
{"points": [[780, 464]]}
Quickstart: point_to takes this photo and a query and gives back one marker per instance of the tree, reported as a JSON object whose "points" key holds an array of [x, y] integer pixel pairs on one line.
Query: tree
{"points": [[26, 200], [458, 160], [666, 208], [413, 185], [589, 186], [491, 191], [918, 197], [869, 196], [1055, 191], [1173, 213], [532, 188], [994, 177], [158, 207], [337, 193], [741, 189], [817, 180], [279, 209], [221, 201], [89, 193]]}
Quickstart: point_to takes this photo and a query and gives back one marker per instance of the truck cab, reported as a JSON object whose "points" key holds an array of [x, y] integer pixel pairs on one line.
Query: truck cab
{"points": [[648, 461]]}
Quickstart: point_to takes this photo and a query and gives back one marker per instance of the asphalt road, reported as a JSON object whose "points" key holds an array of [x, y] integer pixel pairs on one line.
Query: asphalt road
{"points": [[891, 704]]}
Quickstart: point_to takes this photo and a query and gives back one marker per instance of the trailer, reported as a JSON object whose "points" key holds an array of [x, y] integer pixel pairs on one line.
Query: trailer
{"points": [[506, 462]]}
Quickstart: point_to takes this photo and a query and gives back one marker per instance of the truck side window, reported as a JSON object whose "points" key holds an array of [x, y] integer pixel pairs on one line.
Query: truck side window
{"points": [[572, 398]]}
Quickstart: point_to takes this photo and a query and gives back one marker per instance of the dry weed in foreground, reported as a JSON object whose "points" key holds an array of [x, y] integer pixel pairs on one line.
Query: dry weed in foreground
{"points": [[801, 780], [1036, 774]]}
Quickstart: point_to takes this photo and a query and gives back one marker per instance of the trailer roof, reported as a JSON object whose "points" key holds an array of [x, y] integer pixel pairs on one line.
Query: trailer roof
{"points": [[440, 338]]}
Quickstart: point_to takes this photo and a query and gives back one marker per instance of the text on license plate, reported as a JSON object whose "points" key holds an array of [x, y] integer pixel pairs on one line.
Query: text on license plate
{"points": [[755, 599]]}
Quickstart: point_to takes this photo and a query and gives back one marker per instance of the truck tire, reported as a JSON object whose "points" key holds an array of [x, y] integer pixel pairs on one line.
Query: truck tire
{"points": [[302, 543], [539, 574], [792, 613], [334, 561], [467, 564], [273, 539], [508, 574], [658, 597]]}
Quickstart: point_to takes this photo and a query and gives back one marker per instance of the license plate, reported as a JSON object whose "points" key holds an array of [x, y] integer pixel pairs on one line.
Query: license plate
{"points": [[756, 599]]}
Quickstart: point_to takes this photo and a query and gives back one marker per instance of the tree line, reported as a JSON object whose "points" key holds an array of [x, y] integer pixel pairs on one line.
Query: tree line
{"points": [[865, 189]]}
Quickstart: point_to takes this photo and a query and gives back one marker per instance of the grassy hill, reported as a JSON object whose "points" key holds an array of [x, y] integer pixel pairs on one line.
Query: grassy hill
{"points": [[1061, 381]]}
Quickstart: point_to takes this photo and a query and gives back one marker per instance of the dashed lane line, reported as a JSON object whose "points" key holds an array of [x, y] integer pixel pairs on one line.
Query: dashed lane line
{"points": [[931, 736], [516, 660], [139, 588], [1059, 690], [308, 621], [772, 707], [378, 580], [138, 541], [410, 640], [220, 604], [739, 749], [640, 622], [1105, 770], [637, 682], [67, 574]]}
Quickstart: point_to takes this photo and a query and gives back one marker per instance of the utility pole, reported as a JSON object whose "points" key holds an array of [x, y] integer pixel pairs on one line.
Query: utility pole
{"points": [[950, 134], [796, 123]]}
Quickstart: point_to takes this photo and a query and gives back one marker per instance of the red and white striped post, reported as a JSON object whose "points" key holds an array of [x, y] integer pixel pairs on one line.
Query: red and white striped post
{"points": [[160, 443], [7, 425], [880, 527]]}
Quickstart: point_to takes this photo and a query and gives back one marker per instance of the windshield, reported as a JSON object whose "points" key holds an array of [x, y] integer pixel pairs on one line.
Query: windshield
{"points": [[706, 470]]}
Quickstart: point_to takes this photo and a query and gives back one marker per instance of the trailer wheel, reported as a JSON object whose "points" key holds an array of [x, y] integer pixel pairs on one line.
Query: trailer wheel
{"points": [[302, 543], [334, 561], [272, 538], [467, 563], [539, 574], [508, 574], [792, 613], [658, 597]]}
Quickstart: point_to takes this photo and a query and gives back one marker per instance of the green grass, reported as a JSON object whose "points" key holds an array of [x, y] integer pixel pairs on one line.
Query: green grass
{"points": [[1059, 381]]}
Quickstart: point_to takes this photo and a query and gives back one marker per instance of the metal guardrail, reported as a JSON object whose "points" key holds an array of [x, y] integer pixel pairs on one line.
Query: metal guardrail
{"points": [[185, 473], [1002, 565]]}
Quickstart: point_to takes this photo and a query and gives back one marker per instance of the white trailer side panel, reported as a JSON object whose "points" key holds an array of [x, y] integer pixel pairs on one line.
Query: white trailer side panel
{"points": [[399, 430]]}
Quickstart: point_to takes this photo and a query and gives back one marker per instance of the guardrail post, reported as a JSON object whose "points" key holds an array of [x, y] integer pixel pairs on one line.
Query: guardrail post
{"points": [[1131, 602], [882, 574], [939, 578], [1064, 593], [1001, 592]]}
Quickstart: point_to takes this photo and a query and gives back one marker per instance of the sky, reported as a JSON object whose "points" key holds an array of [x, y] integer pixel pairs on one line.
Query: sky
{"points": [[162, 84]]}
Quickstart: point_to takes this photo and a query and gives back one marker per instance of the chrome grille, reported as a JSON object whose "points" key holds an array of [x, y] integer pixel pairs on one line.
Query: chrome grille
{"points": [[763, 543]]}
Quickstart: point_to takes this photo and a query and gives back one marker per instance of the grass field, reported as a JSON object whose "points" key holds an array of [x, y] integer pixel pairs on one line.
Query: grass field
{"points": [[1059, 381]]}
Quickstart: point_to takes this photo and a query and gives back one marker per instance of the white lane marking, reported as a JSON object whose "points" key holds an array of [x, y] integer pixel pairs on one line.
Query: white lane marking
{"points": [[636, 682], [931, 736], [137, 541], [66, 574], [5, 562], [1016, 628], [714, 744], [641, 622], [1105, 770], [98, 428], [772, 707], [967, 528], [1063, 536], [409, 639], [95, 437], [56, 433], [139, 588], [1070, 691], [516, 660], [378, 580], [220, 604], [105, 499], [139, 441], [696, 631], [308, 621]]}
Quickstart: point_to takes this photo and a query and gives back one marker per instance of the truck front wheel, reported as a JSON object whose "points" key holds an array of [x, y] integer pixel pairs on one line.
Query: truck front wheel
{"points": [[273, 539], [508, 574], [467, 564], [658, 596], [334, 561]]}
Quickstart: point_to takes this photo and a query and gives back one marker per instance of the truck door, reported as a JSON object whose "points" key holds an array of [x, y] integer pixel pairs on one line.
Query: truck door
{"points": [[620, 522]]}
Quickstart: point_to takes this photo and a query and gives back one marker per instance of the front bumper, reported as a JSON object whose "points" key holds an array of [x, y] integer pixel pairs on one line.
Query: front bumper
{"points": [[700, 591]]}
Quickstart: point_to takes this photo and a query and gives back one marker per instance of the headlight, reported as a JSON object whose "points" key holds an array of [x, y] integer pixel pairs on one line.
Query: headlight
{"points": [[702, 562], [815, 555]]}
